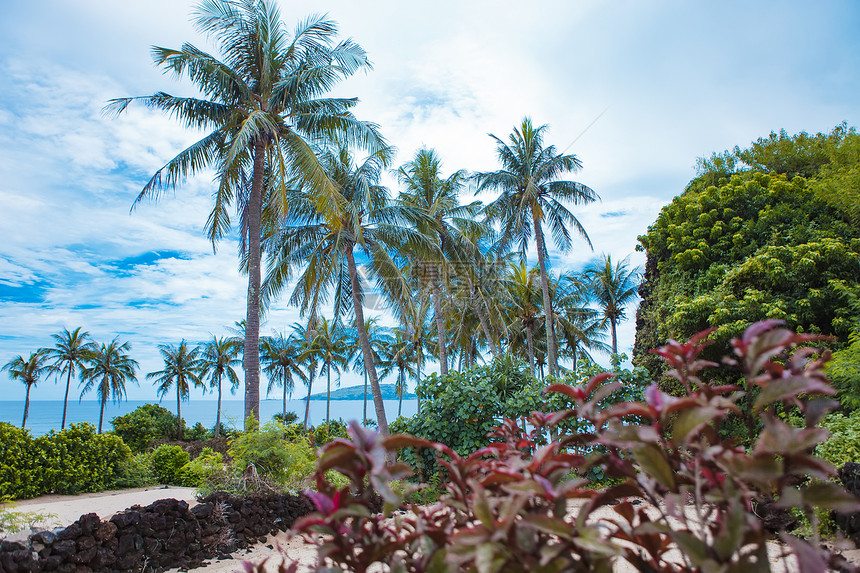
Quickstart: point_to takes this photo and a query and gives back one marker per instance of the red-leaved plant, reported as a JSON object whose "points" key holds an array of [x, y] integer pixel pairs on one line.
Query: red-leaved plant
{"points": [[684, 502]]}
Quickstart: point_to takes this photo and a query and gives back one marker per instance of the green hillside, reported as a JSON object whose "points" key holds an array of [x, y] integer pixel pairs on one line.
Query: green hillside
{"points": [[357, 393]]}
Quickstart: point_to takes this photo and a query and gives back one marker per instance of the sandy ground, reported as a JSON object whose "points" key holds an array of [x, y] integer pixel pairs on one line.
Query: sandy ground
{"points": [[66, 509], [61, 510]]}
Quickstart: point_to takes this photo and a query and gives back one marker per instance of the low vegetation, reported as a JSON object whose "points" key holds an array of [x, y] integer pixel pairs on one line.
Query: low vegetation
{"points": [[506, 506]]}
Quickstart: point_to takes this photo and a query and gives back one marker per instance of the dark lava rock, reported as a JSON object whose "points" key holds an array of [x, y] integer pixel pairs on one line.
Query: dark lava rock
{"points": [[88, 523]]}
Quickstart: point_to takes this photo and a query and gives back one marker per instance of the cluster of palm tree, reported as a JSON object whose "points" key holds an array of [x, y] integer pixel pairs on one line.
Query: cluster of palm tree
{"points": [[105, 368], [304, 176]]}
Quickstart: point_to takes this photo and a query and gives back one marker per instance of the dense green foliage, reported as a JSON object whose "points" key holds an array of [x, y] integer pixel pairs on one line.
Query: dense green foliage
{"points": [[71, 461], [202, 468], [282, 461], [843, 445], [143, 425], [460, 409], [167, 461], [755, 236]]}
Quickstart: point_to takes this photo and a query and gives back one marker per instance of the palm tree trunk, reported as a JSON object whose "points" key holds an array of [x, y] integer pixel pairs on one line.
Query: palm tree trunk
{"points": [[178, 413], [547, 301], [66, 398], [482, 317], [284, 407], [418, 378], [308, 400], [27, 408], [400, 403], [251, 359], [328, 393], [614, 336], [364, 411], [531, 347], [102, 412], [382, 422], [218, 415], [440, 325]]}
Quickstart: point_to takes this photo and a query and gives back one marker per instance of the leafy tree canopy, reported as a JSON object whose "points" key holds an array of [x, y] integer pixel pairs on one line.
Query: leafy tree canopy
{"points": [[765, 232]]}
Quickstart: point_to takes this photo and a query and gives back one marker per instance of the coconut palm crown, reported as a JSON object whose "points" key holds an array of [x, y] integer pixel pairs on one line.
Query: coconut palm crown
{"points": [[108, 370], [27, 370], [182, 367], [68, 357]]}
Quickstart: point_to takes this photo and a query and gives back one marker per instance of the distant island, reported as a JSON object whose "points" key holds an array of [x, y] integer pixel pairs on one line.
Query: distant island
{"points": [[357, 393]]}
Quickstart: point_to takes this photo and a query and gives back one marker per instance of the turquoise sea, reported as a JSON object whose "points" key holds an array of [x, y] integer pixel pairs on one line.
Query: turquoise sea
{"points": [[46, 415]]}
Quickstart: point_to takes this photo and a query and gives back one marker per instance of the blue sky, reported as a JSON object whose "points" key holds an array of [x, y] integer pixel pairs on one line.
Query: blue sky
{"points": [[673, 81]]}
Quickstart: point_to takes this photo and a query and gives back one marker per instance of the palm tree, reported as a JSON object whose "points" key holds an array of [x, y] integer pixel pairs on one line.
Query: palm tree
{"points": [[524, 305], [308, 355], [445, 220], [415, 326], [403, 359], [380, 339], [181, 366], [280, 354], [332, 342], [613, 288], [27, 371], [324, 244], [262, 107], [109, 368], [580, 326], [69, 355], [531, 195], [219, 357]]}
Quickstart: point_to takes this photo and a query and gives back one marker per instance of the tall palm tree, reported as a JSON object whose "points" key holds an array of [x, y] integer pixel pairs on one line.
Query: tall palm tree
{"points": [[531, 196], [415, 324], [27, 371], [323, 243], [445, 219], [403, 360], [380, 339], [524, 304], [69, 355], [109, 368], [262, 106], [332, 341], [308, 356], [217, 361], [580, 325], [280, 354], [613, 288], [181, 367]]}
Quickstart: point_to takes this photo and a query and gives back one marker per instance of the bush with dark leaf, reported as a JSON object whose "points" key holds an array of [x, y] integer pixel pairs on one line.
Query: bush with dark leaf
{"points": [[508, 505]]}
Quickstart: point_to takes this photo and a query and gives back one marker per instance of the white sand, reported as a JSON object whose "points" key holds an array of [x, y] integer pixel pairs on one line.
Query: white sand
{"points": [[66, 509]]}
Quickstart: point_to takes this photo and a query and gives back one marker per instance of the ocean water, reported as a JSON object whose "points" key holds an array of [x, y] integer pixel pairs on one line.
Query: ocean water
{"points": [[47, 415]]}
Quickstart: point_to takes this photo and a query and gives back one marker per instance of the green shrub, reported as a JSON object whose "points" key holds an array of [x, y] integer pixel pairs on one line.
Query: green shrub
{"points": [[71, 461], [843, 445], [78, 459], [287, 463], [195, 433], [327, 431], [196, 472], [143, 425], [167, 461], [19, 473], [136, 471], [289, 418]]}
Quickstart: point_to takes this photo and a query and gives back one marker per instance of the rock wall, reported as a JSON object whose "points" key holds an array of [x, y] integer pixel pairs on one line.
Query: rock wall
{"points": [[160, 536]]}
